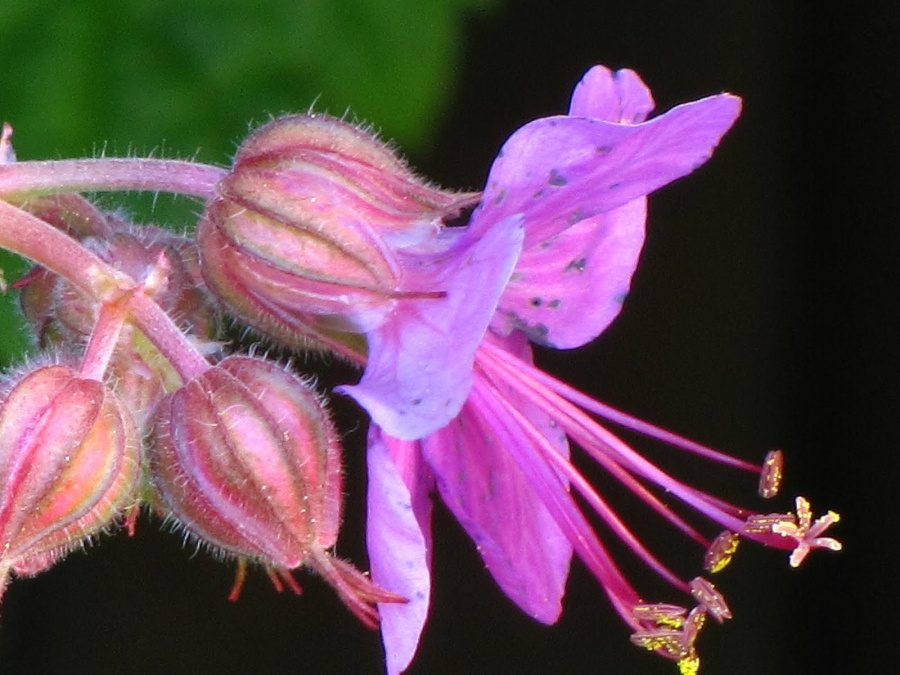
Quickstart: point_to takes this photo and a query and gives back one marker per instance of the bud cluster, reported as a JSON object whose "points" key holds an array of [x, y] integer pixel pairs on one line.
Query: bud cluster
{"points": [[136, 402]]}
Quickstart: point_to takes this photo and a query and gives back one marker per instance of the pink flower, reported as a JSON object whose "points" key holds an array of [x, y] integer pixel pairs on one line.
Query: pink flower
{"points": [[489, 431], [576, 184]]}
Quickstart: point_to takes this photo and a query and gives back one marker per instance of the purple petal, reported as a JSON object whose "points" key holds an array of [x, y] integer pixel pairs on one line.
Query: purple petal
{"points": [[520, 543], [398, 537], [557, 171], [420, 361], [567, 289], [615, 97]]}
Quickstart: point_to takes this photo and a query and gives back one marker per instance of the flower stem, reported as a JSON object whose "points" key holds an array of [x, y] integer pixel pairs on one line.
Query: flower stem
{"points": [[110, 321], [31, 237], [109, 175], [167, 337]]}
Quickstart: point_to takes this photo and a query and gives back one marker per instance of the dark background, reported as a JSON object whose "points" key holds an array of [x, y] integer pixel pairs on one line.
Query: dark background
{"points": [[764, 314]]}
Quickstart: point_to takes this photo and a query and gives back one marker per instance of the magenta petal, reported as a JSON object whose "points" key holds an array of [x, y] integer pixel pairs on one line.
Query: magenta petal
{"points": [[567, 289], [520, 543], [398, 536], [420, 361], [557, 171], [615, 97]]}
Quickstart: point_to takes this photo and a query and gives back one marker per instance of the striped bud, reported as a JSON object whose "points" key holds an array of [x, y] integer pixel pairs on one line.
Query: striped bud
{"points": [[245, 457], [69, 465], [303, 235]]}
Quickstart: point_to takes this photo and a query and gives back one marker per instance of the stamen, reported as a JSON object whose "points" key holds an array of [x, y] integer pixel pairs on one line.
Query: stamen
{"points": [[720, 553], [763, 523], [660, 614], [772, 472], [602, 445], [674, 643], [525, 369], [710, 599]]}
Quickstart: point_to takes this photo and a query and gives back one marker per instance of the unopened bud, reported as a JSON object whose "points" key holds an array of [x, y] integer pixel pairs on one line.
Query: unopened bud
{"points": [[307, 223], [69, 465], [246, 458]]}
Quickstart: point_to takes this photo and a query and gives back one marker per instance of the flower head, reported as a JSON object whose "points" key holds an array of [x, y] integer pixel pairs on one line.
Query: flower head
{"points": [[576, 185], [500, 458]]}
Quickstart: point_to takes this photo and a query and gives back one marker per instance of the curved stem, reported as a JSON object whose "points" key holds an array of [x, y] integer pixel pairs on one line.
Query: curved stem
{"points": [[31, 237], [109, 175], [167, 337]]}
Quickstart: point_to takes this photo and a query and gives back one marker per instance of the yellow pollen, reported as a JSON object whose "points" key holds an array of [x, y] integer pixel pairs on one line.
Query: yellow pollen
{"points": [[670, 622], [689, 665], [721, 552], [772, 472]]}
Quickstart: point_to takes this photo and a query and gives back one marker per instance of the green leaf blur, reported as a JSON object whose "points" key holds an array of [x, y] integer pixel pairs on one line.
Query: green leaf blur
{"points": [[183, 79]]}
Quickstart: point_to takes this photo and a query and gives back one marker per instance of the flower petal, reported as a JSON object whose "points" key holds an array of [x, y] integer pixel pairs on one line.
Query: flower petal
{"points": [[420, 361], [558, 171], [615, 97], [520, 543], [398, 537], [567, 289]]}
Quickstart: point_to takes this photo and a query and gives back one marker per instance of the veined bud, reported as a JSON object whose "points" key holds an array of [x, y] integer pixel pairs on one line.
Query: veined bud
{"points": [[69, 465], [245, 457], [307, 222]]}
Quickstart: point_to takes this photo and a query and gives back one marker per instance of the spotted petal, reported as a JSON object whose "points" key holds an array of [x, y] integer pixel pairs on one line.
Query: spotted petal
{"points": [[557, 171], [567, 289]]}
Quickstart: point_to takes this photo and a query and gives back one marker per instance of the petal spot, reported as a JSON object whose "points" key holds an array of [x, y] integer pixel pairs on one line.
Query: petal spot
{"points": [[577, 265], [557, 179]]}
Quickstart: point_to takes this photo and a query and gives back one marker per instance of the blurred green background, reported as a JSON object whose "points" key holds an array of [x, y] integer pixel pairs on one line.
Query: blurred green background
{"points": [[189, 79], [764, 312]]}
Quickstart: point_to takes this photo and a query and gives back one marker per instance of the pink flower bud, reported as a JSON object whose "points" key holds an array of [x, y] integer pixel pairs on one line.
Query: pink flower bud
{"points": [[246, 458], [36, 297], [307, 222], [69, 465]]}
